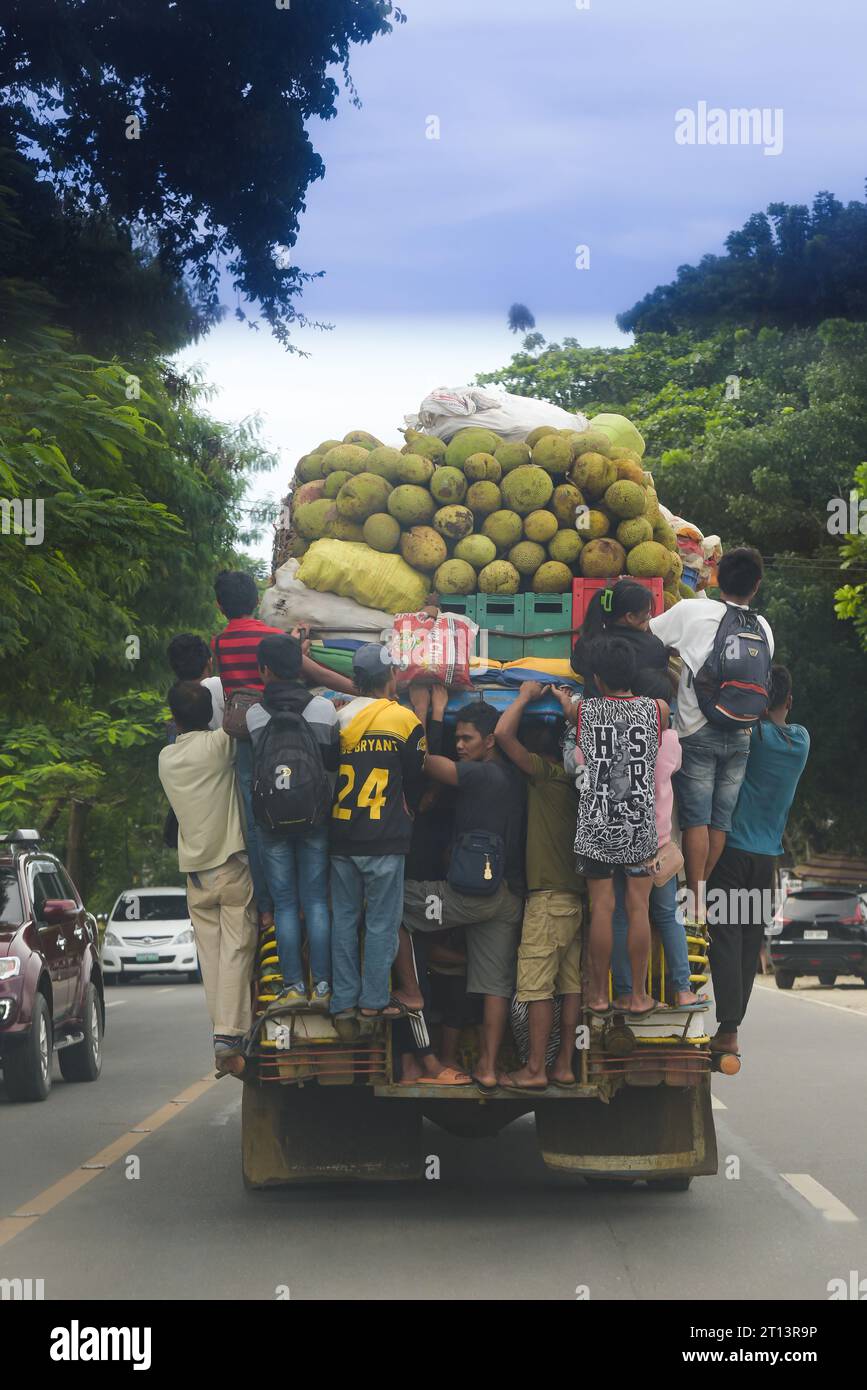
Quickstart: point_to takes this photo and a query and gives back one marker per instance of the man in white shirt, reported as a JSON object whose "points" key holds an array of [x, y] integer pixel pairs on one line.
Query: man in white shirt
{"points": [[714, 759], [191, 660], [198, 776]]}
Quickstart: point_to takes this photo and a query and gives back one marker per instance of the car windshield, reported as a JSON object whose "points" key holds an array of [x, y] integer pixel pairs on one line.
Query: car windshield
{"points": [[151, 907], [804, 906], [11, 906]]}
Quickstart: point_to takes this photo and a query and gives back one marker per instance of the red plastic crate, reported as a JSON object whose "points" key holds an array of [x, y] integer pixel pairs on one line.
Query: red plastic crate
{"points": [[584, 589]]}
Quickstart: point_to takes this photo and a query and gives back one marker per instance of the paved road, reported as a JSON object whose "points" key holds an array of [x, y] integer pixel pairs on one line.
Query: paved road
{"points": [[496, 1224]]}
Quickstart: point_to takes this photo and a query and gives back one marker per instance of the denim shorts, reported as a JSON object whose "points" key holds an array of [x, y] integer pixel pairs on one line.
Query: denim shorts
{"points": [[710, 776]]}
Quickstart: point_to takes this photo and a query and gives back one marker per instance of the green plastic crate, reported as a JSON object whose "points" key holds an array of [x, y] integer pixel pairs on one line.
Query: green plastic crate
{"points": [[464, 604], [546, 613], [502, 613]]}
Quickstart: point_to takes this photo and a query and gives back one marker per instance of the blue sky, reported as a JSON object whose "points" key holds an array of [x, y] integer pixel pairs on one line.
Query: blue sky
{"points": [[556, 129]]}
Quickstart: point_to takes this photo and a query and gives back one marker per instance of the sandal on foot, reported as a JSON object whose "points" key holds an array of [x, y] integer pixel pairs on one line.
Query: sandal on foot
{"points": [[449, 1076], [507, 1082]]}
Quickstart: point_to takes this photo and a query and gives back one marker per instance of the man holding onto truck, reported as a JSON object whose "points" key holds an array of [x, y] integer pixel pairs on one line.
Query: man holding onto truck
{"points": [[382, 749], [549, 956], [198, 776], [714, 757], [778, 755], [484, 887]]}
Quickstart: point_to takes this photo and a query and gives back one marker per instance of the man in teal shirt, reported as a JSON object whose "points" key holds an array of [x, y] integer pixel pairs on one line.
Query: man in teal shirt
{"points": [[778, 753]]}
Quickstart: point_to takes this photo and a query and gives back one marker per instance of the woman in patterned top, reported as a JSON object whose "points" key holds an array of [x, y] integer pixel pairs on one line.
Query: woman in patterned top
{"points": [[617, 739]]}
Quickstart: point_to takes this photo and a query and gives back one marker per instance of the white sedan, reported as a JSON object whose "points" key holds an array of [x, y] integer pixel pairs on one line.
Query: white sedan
{"points": [[149, 932]]}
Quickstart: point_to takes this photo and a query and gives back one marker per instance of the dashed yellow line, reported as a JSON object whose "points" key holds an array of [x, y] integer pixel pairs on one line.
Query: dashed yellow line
{"points": [[29, 1213]]}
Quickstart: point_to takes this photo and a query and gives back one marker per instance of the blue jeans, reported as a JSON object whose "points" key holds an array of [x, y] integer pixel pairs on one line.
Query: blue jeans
{"points": [[296, 871], [371, 887], [669, 924], [707, 784], [244, 772]]}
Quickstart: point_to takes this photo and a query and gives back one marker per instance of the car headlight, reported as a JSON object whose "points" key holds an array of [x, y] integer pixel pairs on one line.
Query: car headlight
{"points": [[9, 966], [185, 937], [111, 940]]}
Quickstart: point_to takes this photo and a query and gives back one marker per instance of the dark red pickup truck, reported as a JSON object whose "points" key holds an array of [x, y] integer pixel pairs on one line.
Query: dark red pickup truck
{"points": [[51, 989]]}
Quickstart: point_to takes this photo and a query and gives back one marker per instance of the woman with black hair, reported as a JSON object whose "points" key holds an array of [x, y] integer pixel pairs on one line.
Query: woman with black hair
{"points": [[622, 609]]}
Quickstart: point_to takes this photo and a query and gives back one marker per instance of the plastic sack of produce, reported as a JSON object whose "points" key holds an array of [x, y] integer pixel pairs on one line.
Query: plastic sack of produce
{"points": [[289, 603], [430, 649], [700, 554], [353, 570], [451, 408]]}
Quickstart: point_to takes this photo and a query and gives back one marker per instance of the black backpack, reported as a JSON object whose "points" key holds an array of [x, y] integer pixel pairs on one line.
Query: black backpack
{"points": [[290, 791], [733, 685]]}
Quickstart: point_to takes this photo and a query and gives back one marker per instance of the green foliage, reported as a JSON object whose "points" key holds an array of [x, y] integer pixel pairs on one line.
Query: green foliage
{"points": [[792, 267], [214, 176]]}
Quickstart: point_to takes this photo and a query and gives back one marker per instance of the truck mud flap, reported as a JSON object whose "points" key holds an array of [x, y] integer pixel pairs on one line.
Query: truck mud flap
{"points": [[653, 1132], [291, 1134]]}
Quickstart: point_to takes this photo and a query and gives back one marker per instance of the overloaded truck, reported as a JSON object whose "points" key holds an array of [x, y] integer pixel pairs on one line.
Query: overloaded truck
{"points": [[512, 531]]}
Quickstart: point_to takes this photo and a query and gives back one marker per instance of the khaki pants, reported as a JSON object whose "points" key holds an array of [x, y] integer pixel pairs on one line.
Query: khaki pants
{"points": [[224, 922]]}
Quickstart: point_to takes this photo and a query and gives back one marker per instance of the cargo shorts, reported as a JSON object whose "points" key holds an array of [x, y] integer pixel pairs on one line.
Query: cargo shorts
{"points": [[493, 926], [549, 956]]}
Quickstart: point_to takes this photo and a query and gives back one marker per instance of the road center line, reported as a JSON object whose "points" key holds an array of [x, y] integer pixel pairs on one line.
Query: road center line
{"points": [[113, 1003], [26, 1215], [819, 1197], [805, 999], [716, 1103]]}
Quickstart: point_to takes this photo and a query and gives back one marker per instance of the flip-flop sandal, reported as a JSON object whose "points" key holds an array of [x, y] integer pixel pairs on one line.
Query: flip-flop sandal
{"points": [[564, 1085], [485, 1089], [449, 1076], [508, 1083], [603, 1013], [643, 1013], [697, 1008]]}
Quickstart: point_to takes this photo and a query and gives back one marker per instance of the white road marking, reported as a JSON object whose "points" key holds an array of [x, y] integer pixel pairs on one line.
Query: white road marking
{"points": [[819, 1197], [168, 989], [805, 998], [113, 1003], [223, 1116], [716, 1103]]}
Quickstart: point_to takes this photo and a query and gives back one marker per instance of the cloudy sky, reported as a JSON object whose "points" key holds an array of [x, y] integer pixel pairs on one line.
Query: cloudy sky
{"points": [[556, 129]]}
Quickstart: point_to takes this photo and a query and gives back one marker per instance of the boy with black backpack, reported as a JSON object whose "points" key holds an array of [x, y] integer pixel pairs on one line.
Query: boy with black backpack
{"points": [[295, 743], [727, 652]]}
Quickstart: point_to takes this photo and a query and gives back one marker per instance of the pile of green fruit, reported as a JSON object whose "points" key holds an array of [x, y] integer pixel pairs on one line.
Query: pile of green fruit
{"points": [[481, 514]]}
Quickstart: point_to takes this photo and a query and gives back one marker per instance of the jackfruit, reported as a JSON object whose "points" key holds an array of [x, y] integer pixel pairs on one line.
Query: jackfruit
{"points": [[482, 468], [527, 489], [602, 559], [455, 577], [413, 468], [565, 500], [649, 560], [386, 462], [566, 546], [664, 533], [363, 439], [540, 526], [453, 522], [552, 578], [634, 531], [553, 453], [297, 547], [334, 482], [620, 431], [591, 442], [618, 453], [527, 556], [478, 551], [340, 529], [685, 591], [535, 435], [309, 467], [625, 500], [504, 528], [630, 470], [426, 445], [511, 456], [350, 457], [423, 548], [483, 498], [669, 599], [310, 520], [411, 506], [363, 495], [592, 524], [499, 577], [381, 532], [326, 445], [448, 485], [593, 474], [467, 442], [675, 567], [651, 507], [310, 492]]}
